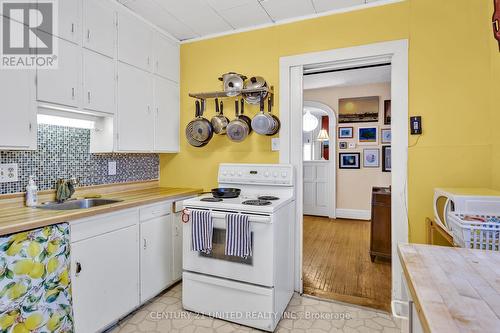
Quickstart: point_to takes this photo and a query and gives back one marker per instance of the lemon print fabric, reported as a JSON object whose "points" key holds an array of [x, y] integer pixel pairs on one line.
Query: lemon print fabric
{"points": [[35, 286]]}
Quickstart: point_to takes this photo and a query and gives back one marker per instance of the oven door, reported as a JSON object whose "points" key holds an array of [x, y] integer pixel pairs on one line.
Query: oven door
{"points": [[256, 269]]}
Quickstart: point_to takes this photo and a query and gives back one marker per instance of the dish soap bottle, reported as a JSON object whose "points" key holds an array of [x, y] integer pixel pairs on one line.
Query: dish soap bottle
{"points": [[31, 193]]}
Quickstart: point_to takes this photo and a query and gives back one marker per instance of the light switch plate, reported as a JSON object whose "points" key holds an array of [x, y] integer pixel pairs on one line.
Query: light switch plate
{"points": [[112, 168], [9, 173], [352, 145], [275, 144]]}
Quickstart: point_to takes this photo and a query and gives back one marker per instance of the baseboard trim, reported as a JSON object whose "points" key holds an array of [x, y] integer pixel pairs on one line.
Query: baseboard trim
{"points": [[355, 214]]}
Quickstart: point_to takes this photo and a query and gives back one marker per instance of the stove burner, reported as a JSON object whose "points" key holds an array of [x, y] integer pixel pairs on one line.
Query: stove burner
{"points": [[268, 198], [211, 199], [257, 202]]}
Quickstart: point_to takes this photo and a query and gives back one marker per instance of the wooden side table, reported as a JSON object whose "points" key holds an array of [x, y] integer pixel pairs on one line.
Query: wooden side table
{"points": [[433, 226]]}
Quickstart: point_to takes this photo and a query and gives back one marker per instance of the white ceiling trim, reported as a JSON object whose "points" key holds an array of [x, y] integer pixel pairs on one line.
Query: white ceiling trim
{"points": [[292, 20]]}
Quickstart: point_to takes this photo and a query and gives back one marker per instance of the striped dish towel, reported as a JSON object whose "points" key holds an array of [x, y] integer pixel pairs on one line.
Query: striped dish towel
{"points": [[202, 231], [238, 236]]}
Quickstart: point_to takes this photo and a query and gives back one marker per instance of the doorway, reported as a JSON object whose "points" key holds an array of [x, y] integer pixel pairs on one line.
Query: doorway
{"points": [[292, 69]]}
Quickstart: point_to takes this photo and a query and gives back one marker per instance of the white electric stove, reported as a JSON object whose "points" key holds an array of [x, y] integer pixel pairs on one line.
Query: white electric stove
{"points": [[251, 291]]}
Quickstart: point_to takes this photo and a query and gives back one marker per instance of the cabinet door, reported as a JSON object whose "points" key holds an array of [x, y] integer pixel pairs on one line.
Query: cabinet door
{"points": [[105, 278], [99, 27], [18, 111], [167, 115], [134, 41], [135, 114], [156, 260], [99, 81], [62, 85], [166, 58], [177, 247]]}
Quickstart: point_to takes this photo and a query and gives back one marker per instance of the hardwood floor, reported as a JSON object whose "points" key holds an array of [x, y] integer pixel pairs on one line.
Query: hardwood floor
{"points": [[337, 263]]}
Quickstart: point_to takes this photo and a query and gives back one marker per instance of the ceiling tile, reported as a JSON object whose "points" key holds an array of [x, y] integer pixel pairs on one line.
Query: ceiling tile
{"points": [[326, 5], [157, 15], [283, 9], [227, 4], [196, 14], [250, 14]]}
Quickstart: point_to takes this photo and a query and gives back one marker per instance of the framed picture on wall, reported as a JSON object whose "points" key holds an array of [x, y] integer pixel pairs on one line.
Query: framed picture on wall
{"points": [[343, 145], [346, 132], [387, 112], [386, 159], [349, 160], [359, 109], [386, 136], [371, 158], [368, 135]]}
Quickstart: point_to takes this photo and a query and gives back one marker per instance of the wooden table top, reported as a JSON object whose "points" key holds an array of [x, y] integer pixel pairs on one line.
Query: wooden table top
{"points": [[16, 219], [453, 289]]}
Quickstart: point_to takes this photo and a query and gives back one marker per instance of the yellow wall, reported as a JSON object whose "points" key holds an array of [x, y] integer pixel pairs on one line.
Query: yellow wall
{"points": [[450, 71], [495, 109]]}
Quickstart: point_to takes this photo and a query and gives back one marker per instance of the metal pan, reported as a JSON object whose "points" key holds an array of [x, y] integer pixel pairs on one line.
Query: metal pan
{"points": [[199, 131], [219, 121], [225, 192], [238, 129], [263, 123], [243, 116], [276, 121]]}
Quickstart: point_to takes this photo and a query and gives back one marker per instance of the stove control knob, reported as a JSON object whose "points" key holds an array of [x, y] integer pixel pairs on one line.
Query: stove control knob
{"points": [[284, 174], [240, 173], [224, 173], [232, 173], [266, 174], [275, 174]]}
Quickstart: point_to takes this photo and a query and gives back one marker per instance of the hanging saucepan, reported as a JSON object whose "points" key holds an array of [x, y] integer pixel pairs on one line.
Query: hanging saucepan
{"points": [[199, 131], [263, 123], [219, 121], [276, 120], [233, 83], [238, 129], [255, 82], [244, 117]]}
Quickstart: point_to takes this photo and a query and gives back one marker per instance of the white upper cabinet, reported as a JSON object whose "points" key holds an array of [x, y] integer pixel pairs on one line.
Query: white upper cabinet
{"points": [[135, 109], [99, 82], [166, 58], [99, 26], [69, 26], [167, 115], [62, 85], [135, 41], [18, 110]]}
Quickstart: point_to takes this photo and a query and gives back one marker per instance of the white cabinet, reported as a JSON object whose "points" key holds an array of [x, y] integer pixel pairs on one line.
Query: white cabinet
{"points": [[18, 110], [99, 26], [62, 85], [104, 273], [156, 261], [69, 23], [167, 113], [135, 41], [135, 114], [166, 58], [99, 82]]}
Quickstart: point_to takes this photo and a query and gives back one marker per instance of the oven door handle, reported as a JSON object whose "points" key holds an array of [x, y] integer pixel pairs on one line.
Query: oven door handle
{"points": [[251, 218]]}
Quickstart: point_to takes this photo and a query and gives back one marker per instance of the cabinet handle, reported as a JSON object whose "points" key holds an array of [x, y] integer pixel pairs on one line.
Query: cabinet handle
{"points": [[177, 230], [88, 96], [145, 243], [88, 34], [157, 65], [72, 28], [149, 109], [148, 61], [72, 93], [78, 268]]}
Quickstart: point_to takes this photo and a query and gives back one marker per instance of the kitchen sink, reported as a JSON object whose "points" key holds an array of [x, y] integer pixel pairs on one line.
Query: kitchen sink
{"points": [[77, 204]]}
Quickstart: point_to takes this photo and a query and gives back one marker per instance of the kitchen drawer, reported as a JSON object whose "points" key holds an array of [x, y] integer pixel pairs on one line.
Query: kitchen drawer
{"points": [[101, 224], [154, 211]]}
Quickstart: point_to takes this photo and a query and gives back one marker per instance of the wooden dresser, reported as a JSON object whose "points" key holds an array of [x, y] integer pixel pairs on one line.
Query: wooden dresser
{"points": [[380, 237]]}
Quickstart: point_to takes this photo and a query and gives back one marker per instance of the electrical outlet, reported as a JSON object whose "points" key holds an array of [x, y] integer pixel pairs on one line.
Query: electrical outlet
{"points": [[275, 144], [8, 173], [112, 168]]}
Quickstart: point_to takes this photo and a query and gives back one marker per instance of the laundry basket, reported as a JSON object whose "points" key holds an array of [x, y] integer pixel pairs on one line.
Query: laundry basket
{"points": [[475, 231]]}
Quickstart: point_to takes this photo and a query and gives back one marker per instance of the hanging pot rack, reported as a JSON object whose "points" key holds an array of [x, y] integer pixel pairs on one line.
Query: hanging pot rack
{"points": [[230, 94]]}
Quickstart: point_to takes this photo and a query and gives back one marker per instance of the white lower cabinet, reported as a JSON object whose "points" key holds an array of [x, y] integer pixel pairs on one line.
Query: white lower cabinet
{"points": [[156, 262], [177, 241], [104, 270], [121, 260], [406, 311]]}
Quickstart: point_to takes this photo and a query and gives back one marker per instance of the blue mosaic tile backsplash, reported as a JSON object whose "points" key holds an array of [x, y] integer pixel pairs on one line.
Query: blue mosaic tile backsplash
{"points": [[64, 152]]}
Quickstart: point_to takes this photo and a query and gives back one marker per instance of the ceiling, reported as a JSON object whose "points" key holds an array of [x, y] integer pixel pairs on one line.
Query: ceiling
{"points": [[351, 77], [188, 19]]}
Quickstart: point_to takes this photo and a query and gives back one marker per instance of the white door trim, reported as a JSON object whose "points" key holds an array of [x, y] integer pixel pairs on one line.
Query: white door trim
{"points": [[332, 165], [291, 95]]}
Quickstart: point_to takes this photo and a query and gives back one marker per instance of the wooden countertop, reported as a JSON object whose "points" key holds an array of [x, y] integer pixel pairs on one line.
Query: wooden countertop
{"points": [[16, 218], [453, 289]]}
